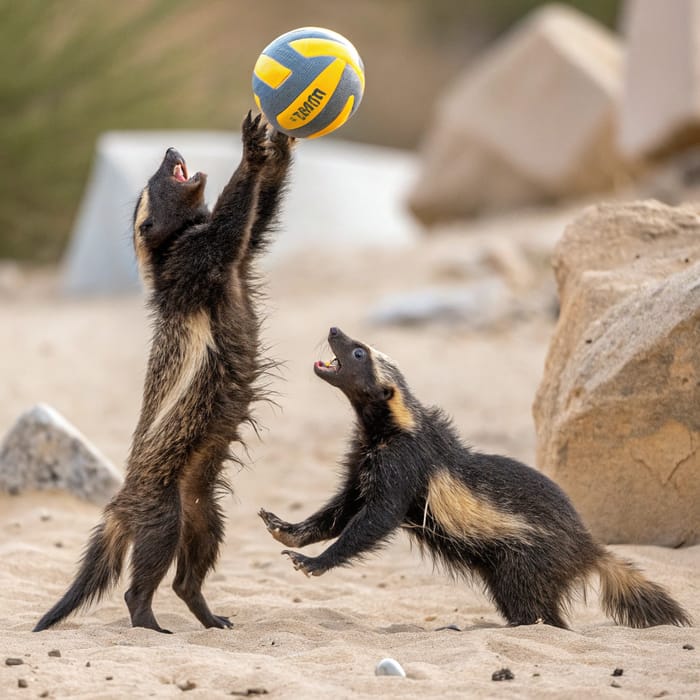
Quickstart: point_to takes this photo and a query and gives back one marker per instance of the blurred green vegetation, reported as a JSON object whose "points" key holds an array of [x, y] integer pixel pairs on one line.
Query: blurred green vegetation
{"points": [[72, 70]]}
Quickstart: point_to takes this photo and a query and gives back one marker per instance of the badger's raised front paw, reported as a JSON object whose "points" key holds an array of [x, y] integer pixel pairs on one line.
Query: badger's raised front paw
{"points": [[254, 131], [280, 145], [279, 529], [307, 565]]}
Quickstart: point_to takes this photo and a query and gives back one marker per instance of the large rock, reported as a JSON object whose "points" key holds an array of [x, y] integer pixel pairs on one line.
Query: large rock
{"points": [[44, 451], [660, 110], [532, 121], [617, 419]]}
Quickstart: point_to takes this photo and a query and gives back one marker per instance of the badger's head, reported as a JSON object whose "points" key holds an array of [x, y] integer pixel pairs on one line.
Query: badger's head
{"points": [[168, 205], [371, 381]]}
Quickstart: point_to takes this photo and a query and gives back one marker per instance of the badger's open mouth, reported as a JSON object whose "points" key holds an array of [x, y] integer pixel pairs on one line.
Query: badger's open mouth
{"points": [[333, 366], [180, 172]]}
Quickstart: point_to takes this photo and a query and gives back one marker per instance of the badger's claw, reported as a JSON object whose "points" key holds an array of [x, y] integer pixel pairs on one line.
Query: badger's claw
{"points": [[307, 565]]}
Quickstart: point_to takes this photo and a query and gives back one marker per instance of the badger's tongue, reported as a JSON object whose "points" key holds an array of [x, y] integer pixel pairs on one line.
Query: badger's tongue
{"points": [[332, 365], [180, 172]]}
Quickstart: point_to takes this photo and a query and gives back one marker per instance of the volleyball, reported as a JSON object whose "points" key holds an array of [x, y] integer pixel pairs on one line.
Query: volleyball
{"points": [[308, 82]]}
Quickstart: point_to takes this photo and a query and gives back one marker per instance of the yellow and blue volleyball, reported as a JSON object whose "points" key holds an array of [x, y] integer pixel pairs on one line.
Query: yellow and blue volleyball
{"points": [[308, 82]]}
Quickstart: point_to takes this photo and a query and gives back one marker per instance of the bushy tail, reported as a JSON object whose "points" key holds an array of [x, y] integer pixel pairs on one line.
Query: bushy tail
{"points": [[100, 569], [632, 600]]}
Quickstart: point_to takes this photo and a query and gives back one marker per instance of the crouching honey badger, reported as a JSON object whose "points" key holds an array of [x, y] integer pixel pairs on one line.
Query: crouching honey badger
{"points": [[201, 379], [476, 514]]}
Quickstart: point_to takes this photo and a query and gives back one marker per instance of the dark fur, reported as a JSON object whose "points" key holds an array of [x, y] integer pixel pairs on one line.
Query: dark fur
{"points": [[200, 382], [476, 514]]}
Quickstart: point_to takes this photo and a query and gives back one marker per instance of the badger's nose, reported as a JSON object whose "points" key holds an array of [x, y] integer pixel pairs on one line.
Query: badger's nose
{"points": [[334, 331]]}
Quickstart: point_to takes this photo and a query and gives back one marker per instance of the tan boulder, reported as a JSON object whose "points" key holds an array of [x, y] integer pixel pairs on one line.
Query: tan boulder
{"points": [[660, 109], [618, 411], [532, 121]]}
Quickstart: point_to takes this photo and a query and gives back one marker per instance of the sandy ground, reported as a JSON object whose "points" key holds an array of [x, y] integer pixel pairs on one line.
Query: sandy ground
{"points": [[296, 637]]}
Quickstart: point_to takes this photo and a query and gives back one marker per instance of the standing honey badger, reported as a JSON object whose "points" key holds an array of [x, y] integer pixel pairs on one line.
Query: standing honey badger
{"points": [[476, 514], [200, 381]]}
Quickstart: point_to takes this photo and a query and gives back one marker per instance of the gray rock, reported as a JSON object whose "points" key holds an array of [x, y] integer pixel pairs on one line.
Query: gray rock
{"points": [[44, 451], [389, 667]]}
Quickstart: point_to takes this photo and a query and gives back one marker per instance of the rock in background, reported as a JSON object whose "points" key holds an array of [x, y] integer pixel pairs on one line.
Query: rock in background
{"points": [[660, 110], [44, 451], [533, 121], [617, 417]]}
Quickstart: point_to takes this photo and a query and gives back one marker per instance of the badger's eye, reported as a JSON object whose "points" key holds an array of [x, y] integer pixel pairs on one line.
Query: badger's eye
{"points": [[146, 226], [359, 354]]}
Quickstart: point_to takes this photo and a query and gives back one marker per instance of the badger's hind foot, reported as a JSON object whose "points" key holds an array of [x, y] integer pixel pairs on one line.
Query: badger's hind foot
{"points": [[191, 595], [141, 614], [223, 622]]}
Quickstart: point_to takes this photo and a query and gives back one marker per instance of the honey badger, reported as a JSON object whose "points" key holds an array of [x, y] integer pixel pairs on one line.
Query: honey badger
{"points": [[476, 514], [201, 379]]}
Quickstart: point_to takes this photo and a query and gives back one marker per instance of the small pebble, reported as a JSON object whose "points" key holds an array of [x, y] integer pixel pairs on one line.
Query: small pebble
{"points": [[13, 661], [45, 517], [615, 684], [187, 685], [249, 692], [617, 672], [87, 664], [109, 678], [430, 618], [55, 652], [296, 600], [59, 545], [690, 647], [389, 667], [454, 628], [21, 683], [504, 674], [44, 694]]}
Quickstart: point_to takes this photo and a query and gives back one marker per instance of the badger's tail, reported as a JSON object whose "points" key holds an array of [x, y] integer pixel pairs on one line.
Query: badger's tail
{"points": [[632, 600], [100, 569]]}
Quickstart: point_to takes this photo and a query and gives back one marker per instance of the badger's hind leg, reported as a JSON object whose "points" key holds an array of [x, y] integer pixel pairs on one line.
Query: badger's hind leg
{"points": [[155, 543], [198, 551], [525, 595]]}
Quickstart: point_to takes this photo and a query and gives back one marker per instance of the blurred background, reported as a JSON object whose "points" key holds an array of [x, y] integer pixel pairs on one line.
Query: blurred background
{"points": [[72, 71]]}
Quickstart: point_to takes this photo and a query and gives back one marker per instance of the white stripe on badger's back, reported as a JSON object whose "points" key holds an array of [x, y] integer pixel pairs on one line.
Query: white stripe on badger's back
{"points": [[197, 340], [466, 516]]}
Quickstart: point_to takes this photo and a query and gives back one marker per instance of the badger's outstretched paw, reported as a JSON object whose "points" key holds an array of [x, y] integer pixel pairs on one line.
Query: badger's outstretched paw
{"points": [[279, 529], [254, 133], [280, 145], [307, 565]]}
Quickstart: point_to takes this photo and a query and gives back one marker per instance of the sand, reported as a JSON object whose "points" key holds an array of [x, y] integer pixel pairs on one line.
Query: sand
{"points": [[295, 637]]}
